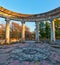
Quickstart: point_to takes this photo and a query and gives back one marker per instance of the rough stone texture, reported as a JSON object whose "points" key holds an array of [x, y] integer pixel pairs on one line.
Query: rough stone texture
{"points": [[29, 54]]}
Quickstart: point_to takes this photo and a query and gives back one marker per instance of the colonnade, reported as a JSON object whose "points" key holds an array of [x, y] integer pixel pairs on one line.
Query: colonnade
{"points": [[23, 31], [8, 15], [52, 29], [7, 36]]}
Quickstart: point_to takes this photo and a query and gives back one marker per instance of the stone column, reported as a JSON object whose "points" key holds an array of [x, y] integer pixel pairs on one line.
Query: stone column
{"points": [[23, 31], [37, 31], [53, 30], [7, 31]]}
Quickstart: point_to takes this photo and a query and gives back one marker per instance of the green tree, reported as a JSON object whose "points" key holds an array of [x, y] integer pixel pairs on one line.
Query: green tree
{"points": [[47, 30], [57, 28], [42, 30]]}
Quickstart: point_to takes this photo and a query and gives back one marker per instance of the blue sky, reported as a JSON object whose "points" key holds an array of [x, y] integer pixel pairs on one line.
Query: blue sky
{"points": [[30, 7]]}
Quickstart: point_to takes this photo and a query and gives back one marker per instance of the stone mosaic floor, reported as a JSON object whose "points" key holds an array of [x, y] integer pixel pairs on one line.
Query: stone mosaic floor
{"points": [[29, 54]]}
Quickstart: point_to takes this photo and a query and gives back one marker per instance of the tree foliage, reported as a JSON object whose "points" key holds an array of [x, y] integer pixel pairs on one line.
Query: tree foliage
{"points": [[44, 29], [41, 30], [47, 30]]}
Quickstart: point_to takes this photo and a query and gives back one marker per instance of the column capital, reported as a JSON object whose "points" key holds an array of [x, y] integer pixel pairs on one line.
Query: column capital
{"points": [[52, 19], [36, 23], [22, 21], [7, 19]]}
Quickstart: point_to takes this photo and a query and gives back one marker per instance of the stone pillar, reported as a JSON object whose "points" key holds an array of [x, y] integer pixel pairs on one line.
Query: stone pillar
{"points": [[7, 31], [53, 30], [23, 31], [37, 31]]}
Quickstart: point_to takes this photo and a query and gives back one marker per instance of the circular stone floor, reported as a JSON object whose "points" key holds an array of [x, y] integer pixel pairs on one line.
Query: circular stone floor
{"points": [[29, 54]]}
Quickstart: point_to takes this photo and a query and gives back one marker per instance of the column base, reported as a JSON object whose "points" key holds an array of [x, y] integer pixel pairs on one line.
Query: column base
{"points": [[22, 41], [37, 41], [53, 42], [7, 43]]}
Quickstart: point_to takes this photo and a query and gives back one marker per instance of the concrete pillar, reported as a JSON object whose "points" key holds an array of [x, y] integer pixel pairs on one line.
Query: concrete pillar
{"points": [[23, 31], [7, 31], [52, 30], [37, 31]]}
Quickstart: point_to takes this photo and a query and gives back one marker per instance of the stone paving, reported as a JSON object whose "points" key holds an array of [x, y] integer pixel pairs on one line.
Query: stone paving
{"points": [[29, 54]]}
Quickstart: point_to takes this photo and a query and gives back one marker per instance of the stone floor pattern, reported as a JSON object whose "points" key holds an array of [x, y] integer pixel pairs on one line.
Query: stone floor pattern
{"points": [[29, 54]]}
